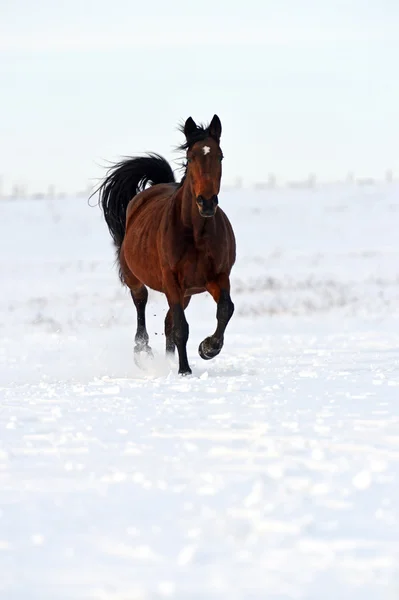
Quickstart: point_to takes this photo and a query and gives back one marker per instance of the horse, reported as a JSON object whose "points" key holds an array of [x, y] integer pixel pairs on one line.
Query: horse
{"points": [[173, 237]]}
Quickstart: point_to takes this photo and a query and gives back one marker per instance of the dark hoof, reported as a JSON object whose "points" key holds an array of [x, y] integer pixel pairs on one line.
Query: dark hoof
{"points": [[143, 348], [185, 372], [209, 348]]}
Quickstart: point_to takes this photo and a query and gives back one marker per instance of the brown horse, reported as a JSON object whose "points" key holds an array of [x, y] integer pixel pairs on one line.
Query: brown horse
{"points": [[172, 237]]}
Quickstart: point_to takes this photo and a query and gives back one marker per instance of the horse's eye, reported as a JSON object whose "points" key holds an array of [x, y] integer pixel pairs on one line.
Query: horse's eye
{"points": [[221, 157], [189, 160]]}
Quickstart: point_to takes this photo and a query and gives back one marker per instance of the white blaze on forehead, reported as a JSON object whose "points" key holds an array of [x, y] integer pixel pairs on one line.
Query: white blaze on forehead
{"points": [[206, 150]]}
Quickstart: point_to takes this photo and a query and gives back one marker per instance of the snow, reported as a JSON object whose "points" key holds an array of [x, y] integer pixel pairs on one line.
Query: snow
{"points": [[271, 473]]}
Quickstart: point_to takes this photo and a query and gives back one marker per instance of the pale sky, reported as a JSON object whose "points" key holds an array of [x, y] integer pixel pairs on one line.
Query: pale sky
{"points": [[300, 86]]}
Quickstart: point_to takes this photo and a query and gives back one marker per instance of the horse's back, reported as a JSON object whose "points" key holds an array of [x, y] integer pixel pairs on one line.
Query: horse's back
{"points": [[150, 198]]}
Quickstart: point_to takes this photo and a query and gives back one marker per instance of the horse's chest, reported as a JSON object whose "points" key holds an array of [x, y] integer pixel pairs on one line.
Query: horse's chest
{"points": [[199, 268]]}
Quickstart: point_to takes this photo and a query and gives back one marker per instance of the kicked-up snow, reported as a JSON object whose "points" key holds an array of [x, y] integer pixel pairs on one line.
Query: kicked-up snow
{"points": [[270, 474]]}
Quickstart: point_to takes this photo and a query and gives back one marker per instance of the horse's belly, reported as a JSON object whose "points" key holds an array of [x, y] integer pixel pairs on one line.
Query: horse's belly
{"points": [[194, 290], [150, 278]]}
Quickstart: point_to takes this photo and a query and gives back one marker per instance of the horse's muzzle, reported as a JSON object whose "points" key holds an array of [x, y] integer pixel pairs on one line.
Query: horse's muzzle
{"points": [[207, 207]]}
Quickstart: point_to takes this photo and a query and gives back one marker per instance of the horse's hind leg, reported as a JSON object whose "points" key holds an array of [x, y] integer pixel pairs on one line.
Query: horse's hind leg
{"points": [[170, 342], [220, 291], [139, 295]]}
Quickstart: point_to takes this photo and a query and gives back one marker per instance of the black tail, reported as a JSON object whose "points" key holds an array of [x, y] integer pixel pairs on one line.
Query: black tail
{"points": [[123, 181]]}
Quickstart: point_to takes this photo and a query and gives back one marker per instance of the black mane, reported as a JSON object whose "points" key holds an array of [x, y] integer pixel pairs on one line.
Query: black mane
{"points": [[200, 134]]}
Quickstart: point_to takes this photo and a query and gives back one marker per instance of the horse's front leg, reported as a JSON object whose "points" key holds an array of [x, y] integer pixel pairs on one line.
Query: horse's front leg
{"points": [[220, 291], [169, 334], [180, 328]]}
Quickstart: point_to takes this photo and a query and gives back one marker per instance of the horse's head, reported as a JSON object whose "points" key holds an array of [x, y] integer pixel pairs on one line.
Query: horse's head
{"points": [[204, 163]]}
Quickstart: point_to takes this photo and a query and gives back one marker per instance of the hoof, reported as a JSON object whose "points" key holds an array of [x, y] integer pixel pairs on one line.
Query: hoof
{"points": [[143, 348], [185, 373], [207, 351]]}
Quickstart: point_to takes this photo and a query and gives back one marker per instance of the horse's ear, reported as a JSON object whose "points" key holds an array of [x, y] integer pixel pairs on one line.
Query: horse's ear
{"points": [[215, 128], [190, 127]]}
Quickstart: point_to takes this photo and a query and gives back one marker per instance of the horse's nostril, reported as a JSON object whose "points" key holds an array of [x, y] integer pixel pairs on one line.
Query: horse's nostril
{"points": [[200, 200]]}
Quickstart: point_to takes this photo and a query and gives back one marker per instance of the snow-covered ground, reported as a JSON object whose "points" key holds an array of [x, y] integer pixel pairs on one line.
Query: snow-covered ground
{"points": [[271, 473]]}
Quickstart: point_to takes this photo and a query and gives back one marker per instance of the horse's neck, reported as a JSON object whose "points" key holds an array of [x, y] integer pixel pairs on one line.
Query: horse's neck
{"points": [[186, 205], [190, 217]]}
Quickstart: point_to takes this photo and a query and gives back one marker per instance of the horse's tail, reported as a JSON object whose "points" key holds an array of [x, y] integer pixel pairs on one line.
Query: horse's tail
{"points": [[123, 181]]}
